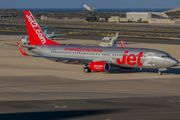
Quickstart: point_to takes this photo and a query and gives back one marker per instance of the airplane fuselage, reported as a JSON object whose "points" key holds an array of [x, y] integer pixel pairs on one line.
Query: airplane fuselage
{"points": [[109, 39], [125, 57]]}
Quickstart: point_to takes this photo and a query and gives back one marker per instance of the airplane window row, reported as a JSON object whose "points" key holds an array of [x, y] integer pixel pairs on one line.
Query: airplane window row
{"points": [[127, 55], [87, 53], [83, 53]]}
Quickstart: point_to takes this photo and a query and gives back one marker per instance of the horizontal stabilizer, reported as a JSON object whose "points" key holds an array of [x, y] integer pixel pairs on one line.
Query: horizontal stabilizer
{"points": [[21, 49]]}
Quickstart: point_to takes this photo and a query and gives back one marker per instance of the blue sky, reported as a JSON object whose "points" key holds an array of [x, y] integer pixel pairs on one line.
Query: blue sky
{"points": [[14, 4]]}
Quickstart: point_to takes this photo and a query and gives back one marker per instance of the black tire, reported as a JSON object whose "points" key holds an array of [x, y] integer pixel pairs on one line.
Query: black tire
{"points": [[159, 72], [87, 70]]}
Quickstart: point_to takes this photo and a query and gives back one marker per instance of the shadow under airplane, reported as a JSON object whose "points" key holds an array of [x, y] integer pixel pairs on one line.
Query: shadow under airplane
{"points": [[54, 115]]}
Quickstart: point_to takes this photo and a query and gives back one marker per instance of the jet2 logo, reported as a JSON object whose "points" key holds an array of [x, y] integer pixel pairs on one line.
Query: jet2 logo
{"points": [[37, 30], [130, 59], [31, 21]]}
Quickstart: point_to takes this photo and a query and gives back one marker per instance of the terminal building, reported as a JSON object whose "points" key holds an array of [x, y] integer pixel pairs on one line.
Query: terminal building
{"points": [[149, 17], [114, 19], [145, 16]]}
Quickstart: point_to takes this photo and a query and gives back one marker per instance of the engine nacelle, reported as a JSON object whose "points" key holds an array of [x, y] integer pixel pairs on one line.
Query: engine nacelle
{"points": [[99, 66]]}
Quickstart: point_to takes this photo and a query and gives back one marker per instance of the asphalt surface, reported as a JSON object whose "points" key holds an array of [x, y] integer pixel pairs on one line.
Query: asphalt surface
{"points": [[155, 108], [96, 107], [39, 89]]}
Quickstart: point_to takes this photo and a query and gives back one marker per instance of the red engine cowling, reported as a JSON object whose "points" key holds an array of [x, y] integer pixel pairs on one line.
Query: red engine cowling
{"points": [[99, 66]]}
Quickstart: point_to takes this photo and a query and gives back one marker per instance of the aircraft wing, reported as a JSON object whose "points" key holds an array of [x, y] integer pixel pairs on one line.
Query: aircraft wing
{"points": [[106, 38], [69, 60], [62, 59]]}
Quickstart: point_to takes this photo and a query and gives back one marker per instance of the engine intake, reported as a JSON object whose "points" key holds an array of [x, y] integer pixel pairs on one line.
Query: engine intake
{"points": [[99, 66]]}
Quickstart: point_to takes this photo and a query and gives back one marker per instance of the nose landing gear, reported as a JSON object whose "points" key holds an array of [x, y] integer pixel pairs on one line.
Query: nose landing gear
{"points": [[160, 72], [162, 69]]}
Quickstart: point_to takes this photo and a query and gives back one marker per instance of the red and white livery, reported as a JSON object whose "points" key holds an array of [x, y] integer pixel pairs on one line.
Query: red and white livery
{"points": [[95, 58]]}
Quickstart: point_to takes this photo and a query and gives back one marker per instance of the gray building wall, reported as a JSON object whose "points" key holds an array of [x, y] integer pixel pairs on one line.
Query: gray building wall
{"points": [[135, 16]]}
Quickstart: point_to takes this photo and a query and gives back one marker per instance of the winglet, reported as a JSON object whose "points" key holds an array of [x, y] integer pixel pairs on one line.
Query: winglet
{"points": [[21, 49], [122, 43]]}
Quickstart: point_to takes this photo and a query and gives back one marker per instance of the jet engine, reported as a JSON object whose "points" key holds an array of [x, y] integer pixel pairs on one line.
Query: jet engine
{"points": [[99, 66]]}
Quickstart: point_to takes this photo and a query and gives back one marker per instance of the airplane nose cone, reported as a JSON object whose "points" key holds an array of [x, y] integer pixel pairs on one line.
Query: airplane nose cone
{"points": [[174, 62]]}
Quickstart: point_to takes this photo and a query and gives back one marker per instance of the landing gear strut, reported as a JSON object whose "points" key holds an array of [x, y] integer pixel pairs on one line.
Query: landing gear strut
{"points": [[160, 72]]}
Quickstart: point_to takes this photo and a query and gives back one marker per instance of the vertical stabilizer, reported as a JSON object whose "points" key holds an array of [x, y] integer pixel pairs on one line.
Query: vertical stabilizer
{"points": [[36, 36], [52, 34], [45, 30], [116, 37], [116, 34], [122, 43]]}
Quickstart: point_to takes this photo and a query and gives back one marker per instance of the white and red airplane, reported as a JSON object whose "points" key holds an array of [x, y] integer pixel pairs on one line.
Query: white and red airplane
{"points": [[109, 38], [95, 58]]}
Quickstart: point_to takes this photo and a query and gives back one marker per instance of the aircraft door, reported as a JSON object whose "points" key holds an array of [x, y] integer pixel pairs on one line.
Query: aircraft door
{"points": [[45, 51]]}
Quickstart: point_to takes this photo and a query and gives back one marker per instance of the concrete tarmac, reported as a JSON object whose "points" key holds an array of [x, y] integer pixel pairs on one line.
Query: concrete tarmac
{"points": [[45, 90]]}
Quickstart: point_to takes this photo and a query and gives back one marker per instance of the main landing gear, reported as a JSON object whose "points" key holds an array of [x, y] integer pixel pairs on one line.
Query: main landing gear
{"points": [[160, 72], [87, 69]]}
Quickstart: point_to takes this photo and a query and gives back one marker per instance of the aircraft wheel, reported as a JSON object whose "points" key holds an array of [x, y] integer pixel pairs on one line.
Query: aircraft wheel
{"points": [[159, 72], [87, 69]]}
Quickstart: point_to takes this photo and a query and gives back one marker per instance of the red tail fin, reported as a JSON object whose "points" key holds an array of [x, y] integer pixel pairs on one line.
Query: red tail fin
{"points": [[122, 43], [36, 36]]}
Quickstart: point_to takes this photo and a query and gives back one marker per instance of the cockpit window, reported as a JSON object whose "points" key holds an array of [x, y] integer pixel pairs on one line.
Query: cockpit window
{"points": [[166, 56]]}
